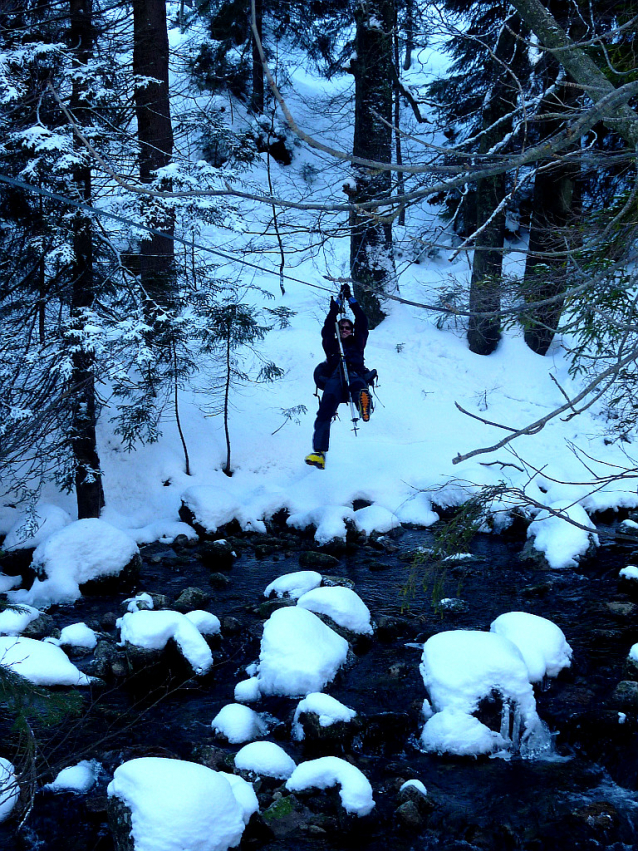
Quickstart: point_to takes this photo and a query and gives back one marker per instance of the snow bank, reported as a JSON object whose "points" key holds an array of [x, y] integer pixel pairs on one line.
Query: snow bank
{"points": [[375, 518], [177, 805], [328, 708], [30, 530], [294, 585], [213, 507], [542, 644], [561, 541], [40, 662], [327, 771], [343, 605], [239, 723], [152, 630], [299, 654], [82, 551], [265, 758]]}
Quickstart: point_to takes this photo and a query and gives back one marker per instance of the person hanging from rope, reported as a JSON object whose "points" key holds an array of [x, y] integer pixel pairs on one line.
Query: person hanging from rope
{"points": [[342, 376]]}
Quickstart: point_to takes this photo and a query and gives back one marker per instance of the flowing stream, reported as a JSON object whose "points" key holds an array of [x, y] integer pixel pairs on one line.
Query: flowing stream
{"points": [[580, 793]]}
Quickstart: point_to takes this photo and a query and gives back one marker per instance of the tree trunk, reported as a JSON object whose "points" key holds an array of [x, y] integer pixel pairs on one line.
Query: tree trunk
{"points": [[371, 260], [257, 102], [155, 136], [88, 478], [485, 287]]}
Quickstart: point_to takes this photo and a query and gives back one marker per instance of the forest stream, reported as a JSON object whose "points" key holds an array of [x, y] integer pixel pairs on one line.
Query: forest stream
{"points": [[582, 794]]}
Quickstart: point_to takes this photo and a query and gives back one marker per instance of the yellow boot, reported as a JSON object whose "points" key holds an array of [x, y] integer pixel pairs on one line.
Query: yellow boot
{"points": [[316, 459]]}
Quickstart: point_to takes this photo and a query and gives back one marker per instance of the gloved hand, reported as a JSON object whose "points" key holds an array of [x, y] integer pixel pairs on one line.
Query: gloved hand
{"points": [[346, 292], [335, 305]]}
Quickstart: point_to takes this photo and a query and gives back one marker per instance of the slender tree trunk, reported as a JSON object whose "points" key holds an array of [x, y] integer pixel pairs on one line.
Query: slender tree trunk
{"points": [[88, 477], [397, 120], [371, 259], [257, 102], [409, 34], [485, 287], [155, 135]]}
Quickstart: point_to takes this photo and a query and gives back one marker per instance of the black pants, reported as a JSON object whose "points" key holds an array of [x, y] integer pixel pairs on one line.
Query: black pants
{"points": [[334, 393]]}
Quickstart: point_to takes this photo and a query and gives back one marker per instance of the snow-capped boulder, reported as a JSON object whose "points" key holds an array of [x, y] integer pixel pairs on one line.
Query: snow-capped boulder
{"points": [[324, 724], [14, 621], [562, 543], [82, 556], [30, 530], [171, 805], [542, 643], [299, 654], [266, 759], [238, 723], [40, 662], [78, 778], [355, 790], [150, 632], [293, 585], [9, 789], [342, 605]]}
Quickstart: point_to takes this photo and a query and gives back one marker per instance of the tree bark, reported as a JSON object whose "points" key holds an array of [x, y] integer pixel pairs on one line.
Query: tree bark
{"points": [[155, 136], [257, 102], [88, 477], [485, 286], [371, 260]]}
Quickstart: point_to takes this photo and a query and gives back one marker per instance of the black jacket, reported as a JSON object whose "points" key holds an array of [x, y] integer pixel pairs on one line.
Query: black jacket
{"points": [[354, 346]]}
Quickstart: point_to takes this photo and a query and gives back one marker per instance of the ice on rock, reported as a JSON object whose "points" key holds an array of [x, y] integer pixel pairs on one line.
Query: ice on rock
{"points": [[177, 804], [328, 708], [265, 758], [327, 771], [459, 669], [542, 643], [299, 653], [152, 630], [238, 723], [343, 605], [294, 585], [40, 662]]}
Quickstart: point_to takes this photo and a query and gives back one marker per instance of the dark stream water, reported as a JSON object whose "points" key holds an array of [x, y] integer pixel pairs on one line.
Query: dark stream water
{"points": [[583, 795]]}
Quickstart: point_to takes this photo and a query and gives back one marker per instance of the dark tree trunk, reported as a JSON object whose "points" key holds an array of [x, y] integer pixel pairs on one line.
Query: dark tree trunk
{"points": [[371, 260], [88, 478], [485, 287], [155, 136], [257, 102], [409, 34], [556, 205]]}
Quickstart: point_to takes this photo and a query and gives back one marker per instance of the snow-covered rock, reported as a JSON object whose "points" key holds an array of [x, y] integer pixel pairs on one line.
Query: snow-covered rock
{"points": [[205, 622], [84, 551], [238, 723], [78, 635], [343, 605], [9, 789], [265, 758], [248, 691], [542, 643], [560, 541], [78, 778], [40, 662], [328, 709], [293, 585], [299, 654], [355, 789], [459, 669], [13, 622], [175, 805], [150, 630]]}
